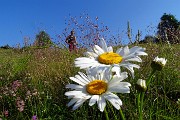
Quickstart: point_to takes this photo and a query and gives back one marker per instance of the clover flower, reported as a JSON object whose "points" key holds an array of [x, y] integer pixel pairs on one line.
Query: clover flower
{"points": [[16, 84], [20, 104]]}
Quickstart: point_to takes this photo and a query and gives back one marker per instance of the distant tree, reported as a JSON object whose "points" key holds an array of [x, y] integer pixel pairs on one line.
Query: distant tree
{"points": [[43, 40], [6, 47], [169, 29], [148, 39]]}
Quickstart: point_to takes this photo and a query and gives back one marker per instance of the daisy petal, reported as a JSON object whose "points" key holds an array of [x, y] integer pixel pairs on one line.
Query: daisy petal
{"points": [[84, 77], [110, 49], [122, 87], [99, 49], [116, 80], [135, 49], [103, 45], [74, 86], [114, 100], [137, 59], [78, 81], [93, 100], [123, 75], [73, 93], [72, 101], [84, 62], [78, 104], [101, 103], [130, 67], [118, 51], [124, 51], [141, 53]]}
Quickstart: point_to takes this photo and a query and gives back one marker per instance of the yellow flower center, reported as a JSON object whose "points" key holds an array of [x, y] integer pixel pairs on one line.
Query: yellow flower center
{"points": [[109, 58], [96, 87]]}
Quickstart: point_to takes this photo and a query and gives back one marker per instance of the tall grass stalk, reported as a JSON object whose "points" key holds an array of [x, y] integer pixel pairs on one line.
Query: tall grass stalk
{"points": [[106, 114], [141, 96]]}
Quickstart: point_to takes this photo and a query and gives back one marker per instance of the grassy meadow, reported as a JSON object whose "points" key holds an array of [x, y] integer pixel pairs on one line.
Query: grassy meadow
{"points": [[32, 84]]}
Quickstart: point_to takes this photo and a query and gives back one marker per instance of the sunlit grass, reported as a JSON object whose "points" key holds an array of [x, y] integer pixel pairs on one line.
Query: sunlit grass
{"points": [[45, 72]]}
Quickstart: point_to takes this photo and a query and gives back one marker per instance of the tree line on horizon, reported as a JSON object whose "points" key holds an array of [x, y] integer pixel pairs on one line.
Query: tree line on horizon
{"points": [[168, 31]]}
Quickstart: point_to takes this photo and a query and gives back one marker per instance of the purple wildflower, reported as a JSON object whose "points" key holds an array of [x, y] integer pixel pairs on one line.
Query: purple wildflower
{"points": [[34, 117], [20, 104]]}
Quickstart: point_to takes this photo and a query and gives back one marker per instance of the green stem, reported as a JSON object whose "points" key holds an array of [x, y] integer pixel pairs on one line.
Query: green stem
{"points": [[141, 96], [106, 114], [138, 102], [149, 79], [111, 107], [141, 106], [121, 113]]}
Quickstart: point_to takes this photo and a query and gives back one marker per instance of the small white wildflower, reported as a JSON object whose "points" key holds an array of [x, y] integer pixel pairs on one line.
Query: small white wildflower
{"points": [[141, 85], [158, 63], [178, 101]]}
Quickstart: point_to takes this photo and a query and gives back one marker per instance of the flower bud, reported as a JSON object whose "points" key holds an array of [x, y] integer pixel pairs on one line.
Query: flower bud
{"points": [[141, 85], [178, 101], [158, 63]]}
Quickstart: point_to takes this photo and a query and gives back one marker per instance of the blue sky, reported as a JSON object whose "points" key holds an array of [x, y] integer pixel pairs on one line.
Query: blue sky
{"points": [[25, 18]]}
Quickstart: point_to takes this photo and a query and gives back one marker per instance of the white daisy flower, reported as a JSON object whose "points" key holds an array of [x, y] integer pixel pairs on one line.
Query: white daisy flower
{"points": [[103, 56], [158, 63], [161, 61], [98, 88], [141, 85], [178, 101]]}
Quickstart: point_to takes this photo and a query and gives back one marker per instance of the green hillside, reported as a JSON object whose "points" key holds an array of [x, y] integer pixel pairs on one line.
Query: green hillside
{"points": [[32, 82]]}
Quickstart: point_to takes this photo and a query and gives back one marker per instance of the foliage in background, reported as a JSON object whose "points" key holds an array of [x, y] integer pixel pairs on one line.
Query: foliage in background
{"points": [[169, 29], [148, 39], [34, 81], [6, 47], [43, 40]]}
